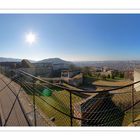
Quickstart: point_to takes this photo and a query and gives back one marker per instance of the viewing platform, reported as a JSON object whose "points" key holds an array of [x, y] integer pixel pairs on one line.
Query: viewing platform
{"points": [[16, 108]]}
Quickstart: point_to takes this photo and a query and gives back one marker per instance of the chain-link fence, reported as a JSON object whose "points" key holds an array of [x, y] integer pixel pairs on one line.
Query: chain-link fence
{"points": [[64, 105]]}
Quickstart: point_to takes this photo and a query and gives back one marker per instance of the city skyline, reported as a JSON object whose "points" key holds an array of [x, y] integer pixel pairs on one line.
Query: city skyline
{"points": [[73, 37]]}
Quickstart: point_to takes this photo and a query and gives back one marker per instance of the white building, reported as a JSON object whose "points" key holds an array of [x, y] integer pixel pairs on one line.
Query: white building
{"points": [[137, 78]]}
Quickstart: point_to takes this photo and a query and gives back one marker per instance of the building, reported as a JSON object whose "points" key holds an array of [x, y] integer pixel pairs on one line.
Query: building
{"points": [[74, 78], [37, 70], [106, 73], [137, 78], [26, 66], [69, 73], [105, 69], [129, 74]]}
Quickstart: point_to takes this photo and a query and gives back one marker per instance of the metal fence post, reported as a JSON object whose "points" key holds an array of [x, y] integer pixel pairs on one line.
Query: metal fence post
{"points": [[34, 104], [4, 69], [0, 69], [71, 114], [133, 104]]}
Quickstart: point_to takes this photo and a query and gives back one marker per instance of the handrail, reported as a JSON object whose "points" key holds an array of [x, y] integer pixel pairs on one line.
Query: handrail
{"points": [[98, 114], [80, 91], [32, 89]]}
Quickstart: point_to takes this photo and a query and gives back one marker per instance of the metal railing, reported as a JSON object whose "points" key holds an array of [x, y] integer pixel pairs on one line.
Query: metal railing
{"points": [[69, 106]]}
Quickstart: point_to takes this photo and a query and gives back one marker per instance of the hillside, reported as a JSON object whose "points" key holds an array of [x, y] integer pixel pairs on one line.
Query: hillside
{"points": [[54, 61]]}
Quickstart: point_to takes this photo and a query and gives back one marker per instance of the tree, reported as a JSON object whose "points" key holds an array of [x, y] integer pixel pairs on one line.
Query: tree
{"points": [[113, 76], [108, 76], [104, 77], [98, 75], [86, 70], [121, 74]]}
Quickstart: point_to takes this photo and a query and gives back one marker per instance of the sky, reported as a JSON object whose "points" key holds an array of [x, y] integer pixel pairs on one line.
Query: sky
{"points": [[72, 37]]}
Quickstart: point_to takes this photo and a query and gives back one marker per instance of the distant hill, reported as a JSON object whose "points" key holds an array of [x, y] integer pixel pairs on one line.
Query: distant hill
{"points": [[26, 64], [3, 59], [54, 61]]}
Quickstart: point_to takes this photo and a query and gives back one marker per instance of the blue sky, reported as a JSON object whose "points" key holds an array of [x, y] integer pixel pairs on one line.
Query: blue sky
{"points": [[71, 37]]}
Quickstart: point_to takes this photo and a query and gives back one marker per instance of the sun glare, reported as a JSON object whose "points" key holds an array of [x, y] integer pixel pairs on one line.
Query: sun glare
{"points": [[30, 38]]}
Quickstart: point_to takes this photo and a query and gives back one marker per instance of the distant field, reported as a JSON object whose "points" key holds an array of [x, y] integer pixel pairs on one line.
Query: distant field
{"points": [[112, 83], [104, 84]]}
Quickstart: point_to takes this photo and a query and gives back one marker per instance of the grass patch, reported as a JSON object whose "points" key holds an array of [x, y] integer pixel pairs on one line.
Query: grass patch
{"points": [[61, 102]]}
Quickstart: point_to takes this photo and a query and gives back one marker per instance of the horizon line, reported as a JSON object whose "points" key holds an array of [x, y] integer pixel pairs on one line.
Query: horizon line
{"points": [[73, 60]]}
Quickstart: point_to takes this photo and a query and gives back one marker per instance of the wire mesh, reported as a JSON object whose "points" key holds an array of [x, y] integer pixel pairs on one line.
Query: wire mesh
{"points": [[67, 106]]}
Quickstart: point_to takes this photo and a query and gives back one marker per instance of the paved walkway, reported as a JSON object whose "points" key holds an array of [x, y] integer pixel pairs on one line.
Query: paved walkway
{"points": [[22, 112]]}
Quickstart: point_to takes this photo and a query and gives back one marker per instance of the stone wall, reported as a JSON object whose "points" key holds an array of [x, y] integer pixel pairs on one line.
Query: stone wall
{"points": [[46, 72]]}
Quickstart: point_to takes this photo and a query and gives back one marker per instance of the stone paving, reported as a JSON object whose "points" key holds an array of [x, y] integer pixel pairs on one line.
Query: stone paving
{"points": [[23, 104]]}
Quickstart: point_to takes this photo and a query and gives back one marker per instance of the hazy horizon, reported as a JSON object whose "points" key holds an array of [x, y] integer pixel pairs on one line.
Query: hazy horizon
{"points": [[68, 60]]}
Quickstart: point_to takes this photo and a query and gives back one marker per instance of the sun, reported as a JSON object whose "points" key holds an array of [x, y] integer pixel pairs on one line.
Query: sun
{"points": [[30, 38]]}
